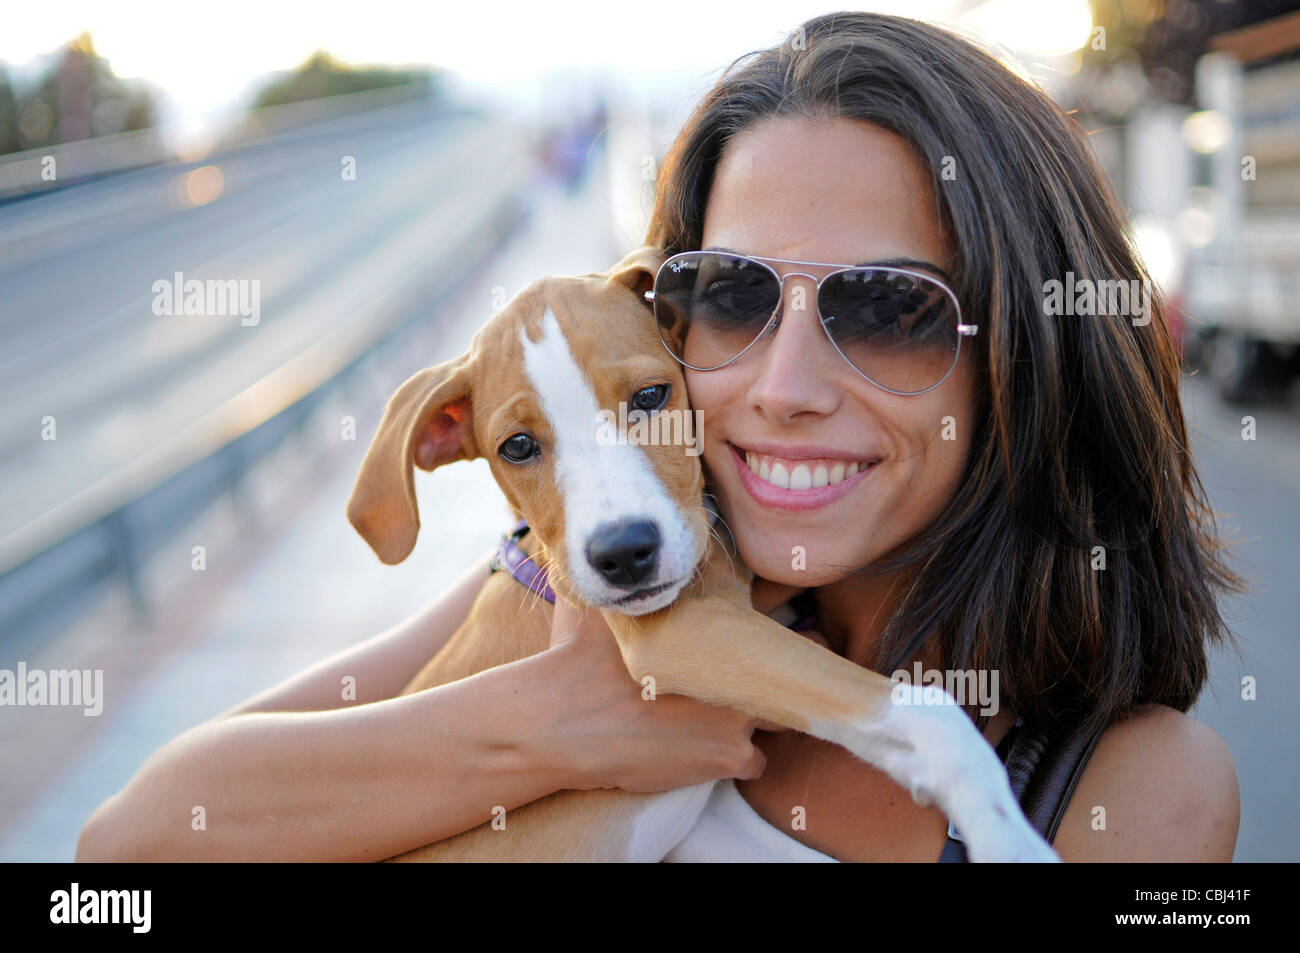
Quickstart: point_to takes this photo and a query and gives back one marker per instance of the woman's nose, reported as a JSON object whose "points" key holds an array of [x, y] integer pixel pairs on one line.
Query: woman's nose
{"points": [[796, 361]]}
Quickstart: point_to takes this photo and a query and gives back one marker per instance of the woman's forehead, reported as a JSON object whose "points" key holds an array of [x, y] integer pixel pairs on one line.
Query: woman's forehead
{"points": [[832, 190]]}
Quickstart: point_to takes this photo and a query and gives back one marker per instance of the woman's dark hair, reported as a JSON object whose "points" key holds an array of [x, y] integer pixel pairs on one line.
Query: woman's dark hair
{"points": [[1079, 440]]}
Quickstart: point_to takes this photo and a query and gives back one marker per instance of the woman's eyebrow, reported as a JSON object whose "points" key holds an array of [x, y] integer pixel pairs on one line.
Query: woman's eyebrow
{"points": [[906, 263], [881, 262]]}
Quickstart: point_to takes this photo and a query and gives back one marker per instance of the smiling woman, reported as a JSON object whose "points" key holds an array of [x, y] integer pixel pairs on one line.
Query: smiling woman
{"points": [[1023, 503]]}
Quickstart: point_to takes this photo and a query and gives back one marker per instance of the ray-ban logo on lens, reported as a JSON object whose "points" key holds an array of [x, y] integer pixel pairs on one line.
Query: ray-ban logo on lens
{"points": [[229, 297], [670, 428]]}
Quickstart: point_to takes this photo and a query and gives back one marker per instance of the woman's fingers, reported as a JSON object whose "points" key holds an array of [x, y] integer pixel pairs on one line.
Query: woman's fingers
{"points": [[586, 627]]}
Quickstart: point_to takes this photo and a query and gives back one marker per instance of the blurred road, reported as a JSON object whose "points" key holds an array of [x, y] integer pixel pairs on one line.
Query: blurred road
{"points": [[83, 345], [1255, 486]]}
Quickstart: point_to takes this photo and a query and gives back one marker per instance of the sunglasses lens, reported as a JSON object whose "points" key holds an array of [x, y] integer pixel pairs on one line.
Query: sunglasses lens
{"points": [[900, 330], [711, 306]]}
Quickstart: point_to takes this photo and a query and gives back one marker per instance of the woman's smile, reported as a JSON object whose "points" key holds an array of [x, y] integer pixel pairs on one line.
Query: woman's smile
{"points": [[797, 479]]}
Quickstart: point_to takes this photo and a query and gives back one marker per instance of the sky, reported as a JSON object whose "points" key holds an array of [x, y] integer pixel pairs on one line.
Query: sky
{"points": [[207, 56]]}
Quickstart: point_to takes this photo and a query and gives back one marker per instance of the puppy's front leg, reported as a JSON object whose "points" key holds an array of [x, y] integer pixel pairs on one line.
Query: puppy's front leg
{"points": [[713, 648]]}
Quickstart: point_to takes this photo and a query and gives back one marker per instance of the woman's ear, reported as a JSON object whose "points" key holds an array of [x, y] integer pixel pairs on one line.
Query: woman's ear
{"points": [[427, 423]]}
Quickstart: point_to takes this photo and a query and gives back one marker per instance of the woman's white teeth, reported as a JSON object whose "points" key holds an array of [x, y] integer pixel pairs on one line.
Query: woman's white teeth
{"points": [[789, 475]]}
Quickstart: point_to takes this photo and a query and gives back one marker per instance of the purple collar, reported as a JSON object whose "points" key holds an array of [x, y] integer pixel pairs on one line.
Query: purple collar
{"points": [[511, 556]]}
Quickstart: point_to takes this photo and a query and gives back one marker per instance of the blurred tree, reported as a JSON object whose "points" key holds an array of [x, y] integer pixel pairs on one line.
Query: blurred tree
{"points": [[8, 116], [1174, 42], [78, 97], [322, 75], [1151, 46]]}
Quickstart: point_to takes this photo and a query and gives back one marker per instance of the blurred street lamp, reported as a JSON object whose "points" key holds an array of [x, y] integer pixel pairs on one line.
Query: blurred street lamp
{"points": [[1207, 131], [1158, 250]]}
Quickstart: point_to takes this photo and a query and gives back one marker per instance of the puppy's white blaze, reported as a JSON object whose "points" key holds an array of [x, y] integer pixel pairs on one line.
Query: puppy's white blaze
{"points": [[600, 483], [935, 752]]}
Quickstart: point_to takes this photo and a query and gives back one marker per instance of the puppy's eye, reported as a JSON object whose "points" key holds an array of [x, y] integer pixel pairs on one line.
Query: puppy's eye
{"points": [[650, 398], [519, 448]]}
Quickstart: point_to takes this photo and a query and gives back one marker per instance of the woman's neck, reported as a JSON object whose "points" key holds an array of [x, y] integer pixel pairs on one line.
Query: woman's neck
{"points": [[852, 613]]}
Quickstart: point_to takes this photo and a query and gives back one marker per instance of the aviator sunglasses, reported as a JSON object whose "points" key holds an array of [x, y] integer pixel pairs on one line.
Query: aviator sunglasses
{"points": [[899, 329]]}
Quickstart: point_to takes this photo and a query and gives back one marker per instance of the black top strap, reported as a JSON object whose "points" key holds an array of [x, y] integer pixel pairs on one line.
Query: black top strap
{"points": [[1043, 772], [1050, 788]]}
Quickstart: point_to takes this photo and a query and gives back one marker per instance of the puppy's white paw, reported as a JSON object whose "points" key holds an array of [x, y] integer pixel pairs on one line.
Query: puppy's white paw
{"points": [[1010, 839], [933, 750]]}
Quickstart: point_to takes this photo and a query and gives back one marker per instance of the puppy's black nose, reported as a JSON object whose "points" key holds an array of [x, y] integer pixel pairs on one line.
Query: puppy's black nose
{"points": [[625, 554]]}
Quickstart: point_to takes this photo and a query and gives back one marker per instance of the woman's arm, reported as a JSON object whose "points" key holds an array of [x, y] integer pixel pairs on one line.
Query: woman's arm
{"points": [[353, 784], [298, 772]]}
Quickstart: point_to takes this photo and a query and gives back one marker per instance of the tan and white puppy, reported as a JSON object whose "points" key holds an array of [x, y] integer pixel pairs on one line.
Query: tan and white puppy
{"points": [[621, 526]]}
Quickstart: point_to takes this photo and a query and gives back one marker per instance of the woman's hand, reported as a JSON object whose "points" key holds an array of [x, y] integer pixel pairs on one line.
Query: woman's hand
{"points": [[644, 745], [626, 741]]}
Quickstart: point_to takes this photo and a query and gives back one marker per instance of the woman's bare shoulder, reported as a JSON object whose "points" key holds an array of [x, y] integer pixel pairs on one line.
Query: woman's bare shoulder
{"points": [[1160, 786]]}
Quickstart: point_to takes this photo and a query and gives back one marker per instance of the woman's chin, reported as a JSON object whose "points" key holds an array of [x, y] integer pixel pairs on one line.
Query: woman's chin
{"points": [[789, 565]]}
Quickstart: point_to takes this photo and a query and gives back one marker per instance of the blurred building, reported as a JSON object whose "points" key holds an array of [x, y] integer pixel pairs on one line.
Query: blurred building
{"points": [[1193, 107], [1242, 280]]}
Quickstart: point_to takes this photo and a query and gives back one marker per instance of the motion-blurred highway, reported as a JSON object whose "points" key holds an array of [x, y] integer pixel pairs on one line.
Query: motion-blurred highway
{"points": [[86, 353]]}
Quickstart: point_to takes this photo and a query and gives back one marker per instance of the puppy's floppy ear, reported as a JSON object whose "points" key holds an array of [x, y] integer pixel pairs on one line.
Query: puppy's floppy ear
{"points": [[637, 270], [426, 423]]}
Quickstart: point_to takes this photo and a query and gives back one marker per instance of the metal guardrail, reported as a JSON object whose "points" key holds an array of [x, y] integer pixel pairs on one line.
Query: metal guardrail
{"points": [[22, 173], [83, 160], [108, 530]]}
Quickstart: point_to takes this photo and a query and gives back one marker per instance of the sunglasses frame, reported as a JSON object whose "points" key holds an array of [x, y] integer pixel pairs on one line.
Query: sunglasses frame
{"points": [[963, 330]]}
